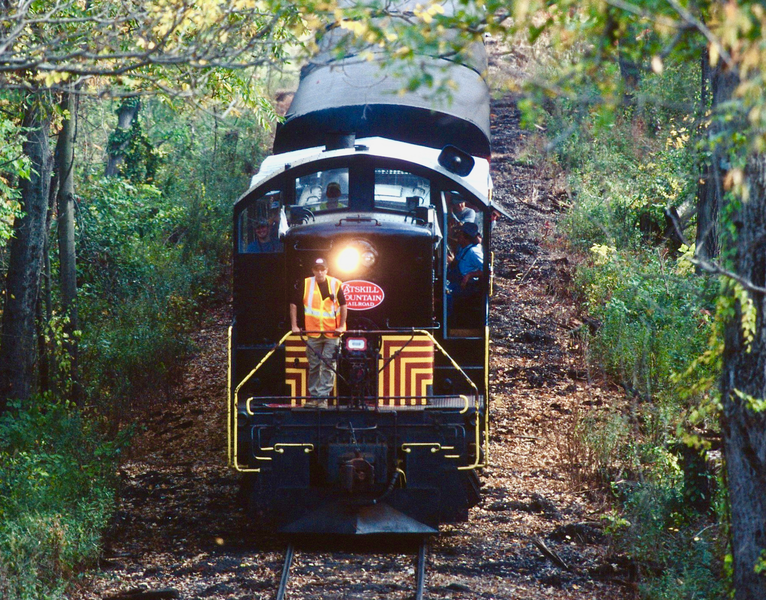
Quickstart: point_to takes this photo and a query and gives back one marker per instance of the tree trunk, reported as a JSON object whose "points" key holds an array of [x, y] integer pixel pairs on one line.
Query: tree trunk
{"points": [[45, 302], [744, 379], [66, 218], [44, 381], [17, 351], [710, 191], [631, 77], [127, 112]]}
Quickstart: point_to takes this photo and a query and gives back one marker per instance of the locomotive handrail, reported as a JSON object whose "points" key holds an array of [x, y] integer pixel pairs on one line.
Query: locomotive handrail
{"points": [[477, 462], [280, 448], [363, 331], [229, 432], [350, 428], [297, 248], [357, 219], [492, 273], [234, 403], [465, 409], [375, 331], [452, 360], [396, 354], [435, 327], [435, 446]]}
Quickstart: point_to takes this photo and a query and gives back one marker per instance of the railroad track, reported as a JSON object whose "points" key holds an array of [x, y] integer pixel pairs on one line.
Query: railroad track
{"points": [[420, 571]]}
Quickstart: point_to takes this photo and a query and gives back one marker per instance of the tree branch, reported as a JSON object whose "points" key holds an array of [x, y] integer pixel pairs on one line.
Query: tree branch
{"points": [[702, 28], [710, 266]]}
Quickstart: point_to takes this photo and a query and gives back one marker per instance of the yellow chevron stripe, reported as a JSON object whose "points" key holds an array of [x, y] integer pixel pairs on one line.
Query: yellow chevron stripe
{"points": [[424, 383], [409, 367]]}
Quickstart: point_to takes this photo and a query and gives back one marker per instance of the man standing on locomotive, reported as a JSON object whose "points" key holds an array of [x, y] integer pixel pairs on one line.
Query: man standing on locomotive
{"points": [[324, 310]]}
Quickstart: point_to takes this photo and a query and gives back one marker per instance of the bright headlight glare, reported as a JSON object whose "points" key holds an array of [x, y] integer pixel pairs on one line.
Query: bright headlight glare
{"points": [[348, 260]]}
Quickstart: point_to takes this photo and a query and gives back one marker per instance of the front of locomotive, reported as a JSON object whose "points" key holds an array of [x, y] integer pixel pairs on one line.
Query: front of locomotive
{"points": [[397, 448], [375, 181]]}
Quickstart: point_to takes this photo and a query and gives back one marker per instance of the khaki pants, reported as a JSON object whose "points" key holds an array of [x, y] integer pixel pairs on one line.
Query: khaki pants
{"points": [[321, 376]]}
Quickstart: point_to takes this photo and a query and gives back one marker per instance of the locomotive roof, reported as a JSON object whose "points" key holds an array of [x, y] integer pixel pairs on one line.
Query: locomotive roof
{"points": [[345, 90], [357, 97], [477, 182]]}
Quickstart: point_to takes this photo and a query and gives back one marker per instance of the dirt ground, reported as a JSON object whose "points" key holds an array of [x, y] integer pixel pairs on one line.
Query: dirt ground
{"points": [[538, 532]]}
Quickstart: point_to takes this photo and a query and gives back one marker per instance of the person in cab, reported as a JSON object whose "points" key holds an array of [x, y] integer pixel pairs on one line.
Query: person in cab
{"points": [[465, 268], [264, 242], [461, 212], [332, 196]]}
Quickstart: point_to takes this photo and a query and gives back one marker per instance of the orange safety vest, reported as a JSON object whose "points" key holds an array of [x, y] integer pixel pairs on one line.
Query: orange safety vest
{"points": [[321, 314]]}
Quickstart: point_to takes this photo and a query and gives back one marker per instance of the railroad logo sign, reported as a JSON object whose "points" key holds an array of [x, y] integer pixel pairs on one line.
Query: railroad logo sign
{"points": [[362, 295]]}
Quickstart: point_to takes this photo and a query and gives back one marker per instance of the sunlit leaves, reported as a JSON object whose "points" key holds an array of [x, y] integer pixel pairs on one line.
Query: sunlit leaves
{"points": [[166, 46], [427, 13]]}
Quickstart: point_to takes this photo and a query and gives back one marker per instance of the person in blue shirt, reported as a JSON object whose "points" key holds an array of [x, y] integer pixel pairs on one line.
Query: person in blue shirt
{"points": [[461, 213], [263, 241], [466, 267]]}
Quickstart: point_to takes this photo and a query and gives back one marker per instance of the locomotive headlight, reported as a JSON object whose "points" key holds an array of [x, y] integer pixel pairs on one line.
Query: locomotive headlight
{"points": [[348, 259], [368, 258], [355, 256]]}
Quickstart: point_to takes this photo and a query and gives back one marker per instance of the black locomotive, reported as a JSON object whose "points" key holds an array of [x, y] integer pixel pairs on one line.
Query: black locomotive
{"points": [[398, 448]]}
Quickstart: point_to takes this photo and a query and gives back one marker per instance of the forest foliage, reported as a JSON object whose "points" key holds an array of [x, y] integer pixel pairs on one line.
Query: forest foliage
{"points": [[626, 94], [651, 318], [153, 241], [153, 255], [57, 481]]}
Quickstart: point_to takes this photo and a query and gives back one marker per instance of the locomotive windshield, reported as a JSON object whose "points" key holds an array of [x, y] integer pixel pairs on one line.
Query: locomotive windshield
{"points": [[400, 190], [323, 190]]}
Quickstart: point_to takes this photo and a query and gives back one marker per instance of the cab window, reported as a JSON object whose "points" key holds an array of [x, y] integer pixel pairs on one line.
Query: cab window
{"points": [[401, 190], [322, 191], [460, 209], [261, 223]]}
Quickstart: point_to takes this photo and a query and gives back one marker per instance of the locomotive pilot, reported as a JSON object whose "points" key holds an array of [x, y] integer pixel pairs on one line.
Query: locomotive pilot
{"points": [[324, 310]]}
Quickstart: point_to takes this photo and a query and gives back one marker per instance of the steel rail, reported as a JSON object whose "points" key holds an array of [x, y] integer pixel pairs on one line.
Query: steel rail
{"points": [[285, 572], [420, 571]]}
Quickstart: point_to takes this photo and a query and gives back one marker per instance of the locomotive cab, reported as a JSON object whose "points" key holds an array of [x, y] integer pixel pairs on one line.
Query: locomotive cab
{"points": [[388, 235]]}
